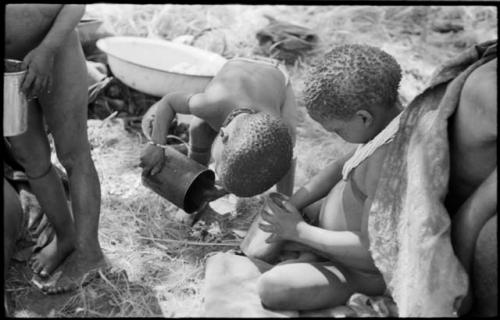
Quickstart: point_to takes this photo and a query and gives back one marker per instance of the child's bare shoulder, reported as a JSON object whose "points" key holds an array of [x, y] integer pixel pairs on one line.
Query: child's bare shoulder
{"points": [[209, 104], [478, 101]]}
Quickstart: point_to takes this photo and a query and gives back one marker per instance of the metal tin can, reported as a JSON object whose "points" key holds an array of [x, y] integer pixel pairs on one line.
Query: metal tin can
{"points": [[254, 245], [181, 181], [15, 103]]}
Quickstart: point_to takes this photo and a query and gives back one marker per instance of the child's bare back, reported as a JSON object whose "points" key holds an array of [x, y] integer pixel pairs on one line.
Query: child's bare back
{"points": [[243, 82]]}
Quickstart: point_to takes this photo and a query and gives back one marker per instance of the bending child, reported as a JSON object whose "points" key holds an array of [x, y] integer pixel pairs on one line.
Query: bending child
{"points": [[245, 119], [353, 92]]}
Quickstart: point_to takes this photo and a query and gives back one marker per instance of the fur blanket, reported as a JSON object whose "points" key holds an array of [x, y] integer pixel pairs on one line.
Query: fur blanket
{"points": [[409, 227]]}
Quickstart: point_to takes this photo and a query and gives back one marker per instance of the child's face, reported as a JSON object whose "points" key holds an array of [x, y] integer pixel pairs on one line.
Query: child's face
{"points": [[223, 138], [353, 130], [218, 148]]}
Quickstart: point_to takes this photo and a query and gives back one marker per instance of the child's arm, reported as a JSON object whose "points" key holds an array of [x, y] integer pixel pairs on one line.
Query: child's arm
{"points": [[285, 185], [350, 247], [289, 117], [40, 60], [345, 246], [153, 156], [319, 186], [166, 109]]}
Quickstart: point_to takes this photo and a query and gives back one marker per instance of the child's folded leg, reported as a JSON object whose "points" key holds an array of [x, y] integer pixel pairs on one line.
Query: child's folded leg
{"points": [[309, 286], [293, 252]]}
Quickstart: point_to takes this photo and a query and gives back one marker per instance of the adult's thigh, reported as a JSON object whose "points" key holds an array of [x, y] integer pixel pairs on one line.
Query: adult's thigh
{"points": [[65, 106]]}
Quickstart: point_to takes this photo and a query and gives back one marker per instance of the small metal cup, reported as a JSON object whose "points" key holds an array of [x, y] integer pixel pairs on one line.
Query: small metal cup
{"points": [[15, 103], [182, 181], [254, 245]]}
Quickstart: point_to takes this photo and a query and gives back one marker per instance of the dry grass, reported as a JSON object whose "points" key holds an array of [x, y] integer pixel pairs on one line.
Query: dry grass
{"points": [[143, 234]]}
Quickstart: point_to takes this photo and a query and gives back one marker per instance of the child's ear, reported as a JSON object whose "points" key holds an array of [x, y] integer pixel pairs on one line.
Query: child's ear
{"points": [[365, 116], [223, 135]]}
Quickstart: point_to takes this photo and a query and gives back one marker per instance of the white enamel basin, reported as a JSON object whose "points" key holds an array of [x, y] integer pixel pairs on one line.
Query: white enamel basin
{"points": [[157, 67]]}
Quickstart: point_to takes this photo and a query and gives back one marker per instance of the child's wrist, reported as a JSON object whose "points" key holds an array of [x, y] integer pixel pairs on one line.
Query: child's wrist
{"points": [[297, 199], [199, 150], [300, 231]]}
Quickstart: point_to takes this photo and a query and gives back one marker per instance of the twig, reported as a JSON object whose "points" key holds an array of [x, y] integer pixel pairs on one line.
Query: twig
{"points": [[194, 243], [107, 280], [178, 139], [111, 116], [17, 289]]}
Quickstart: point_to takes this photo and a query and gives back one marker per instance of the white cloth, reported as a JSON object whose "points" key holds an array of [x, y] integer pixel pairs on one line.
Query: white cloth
{"points": [[365, 150]]}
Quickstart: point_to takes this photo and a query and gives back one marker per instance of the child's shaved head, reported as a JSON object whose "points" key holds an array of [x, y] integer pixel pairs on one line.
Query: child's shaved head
{"points": [[257, 156], [349, 78]]}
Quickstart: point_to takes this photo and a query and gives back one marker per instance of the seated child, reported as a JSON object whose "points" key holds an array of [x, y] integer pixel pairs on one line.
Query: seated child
{"points": [[352, 91], [245, 119]]}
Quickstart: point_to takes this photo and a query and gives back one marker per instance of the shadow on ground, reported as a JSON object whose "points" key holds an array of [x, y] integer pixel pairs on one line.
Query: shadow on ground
{"points": [[108, 293]]}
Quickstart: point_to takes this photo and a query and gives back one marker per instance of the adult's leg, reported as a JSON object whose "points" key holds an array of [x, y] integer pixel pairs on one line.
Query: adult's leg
{"points": [[65, 109], [12, 223], [32, 150], [309, 286], [485, 270], [12, 227]]}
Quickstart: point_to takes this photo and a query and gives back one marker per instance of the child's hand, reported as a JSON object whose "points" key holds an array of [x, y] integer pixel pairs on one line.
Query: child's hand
{"points": [[152, 159], [39, 63], [282, 222]]}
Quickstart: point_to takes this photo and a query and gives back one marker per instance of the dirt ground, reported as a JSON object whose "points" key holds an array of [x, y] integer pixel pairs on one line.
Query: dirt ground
{"points": [[158, 259]]}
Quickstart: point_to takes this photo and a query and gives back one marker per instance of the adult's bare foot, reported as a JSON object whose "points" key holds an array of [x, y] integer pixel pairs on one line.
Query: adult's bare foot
{"points": [[74, 271], [51, 256]]}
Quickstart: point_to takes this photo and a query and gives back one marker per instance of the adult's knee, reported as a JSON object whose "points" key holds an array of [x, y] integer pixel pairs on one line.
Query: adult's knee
{"points": [[76, 157], [35, 161]]}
